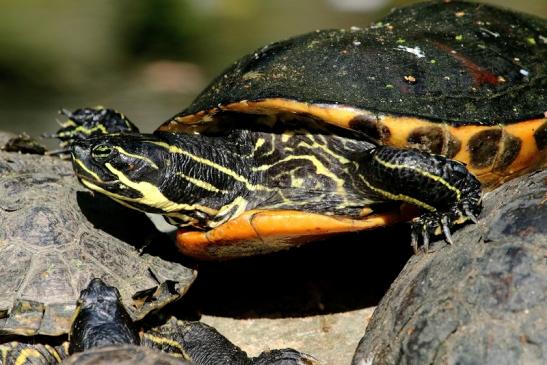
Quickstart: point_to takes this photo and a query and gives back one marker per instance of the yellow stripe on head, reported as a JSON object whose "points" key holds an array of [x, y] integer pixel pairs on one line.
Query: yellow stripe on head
{"points": [[144, 158], [84, 167], [151, 195]]}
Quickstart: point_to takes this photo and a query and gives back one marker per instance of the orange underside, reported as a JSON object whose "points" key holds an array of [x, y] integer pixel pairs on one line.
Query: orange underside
{"points": [[266, 231], [262, 231]]}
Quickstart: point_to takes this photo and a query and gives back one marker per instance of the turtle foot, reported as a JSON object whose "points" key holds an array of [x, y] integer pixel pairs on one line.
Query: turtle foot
{"points": [[90, 122], [441, 222], [284, 357]]}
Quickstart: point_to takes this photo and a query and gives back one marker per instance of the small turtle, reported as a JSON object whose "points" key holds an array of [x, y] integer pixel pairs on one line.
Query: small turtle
{"points": [[331, 131], [101, 321]]}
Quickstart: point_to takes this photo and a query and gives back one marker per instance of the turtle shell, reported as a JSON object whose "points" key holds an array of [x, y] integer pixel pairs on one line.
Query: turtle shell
{"points": [[126, 354], [461, 79], [50, 250]]}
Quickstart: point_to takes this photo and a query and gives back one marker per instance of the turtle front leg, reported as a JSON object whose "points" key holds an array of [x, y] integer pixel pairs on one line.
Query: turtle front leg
{"points": [[203, 345], [444, 188]]}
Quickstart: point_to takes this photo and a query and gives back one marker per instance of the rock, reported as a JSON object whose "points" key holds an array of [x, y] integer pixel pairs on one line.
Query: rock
{"points": [[482, 300]]}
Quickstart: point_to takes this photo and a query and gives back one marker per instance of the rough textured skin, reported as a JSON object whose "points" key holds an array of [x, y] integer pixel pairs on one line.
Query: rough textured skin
{"points": [[453, 61], [202, 343], [479, 301], [50, 249], [124, 355], [205, 345]]}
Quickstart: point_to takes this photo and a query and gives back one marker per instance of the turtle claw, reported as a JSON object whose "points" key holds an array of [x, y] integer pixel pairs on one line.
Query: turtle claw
{"points": [[65, 112], [425, 237], [414, 239], [469, 214], [446, 230], [419, 232], [432, 224], [435, 223]]}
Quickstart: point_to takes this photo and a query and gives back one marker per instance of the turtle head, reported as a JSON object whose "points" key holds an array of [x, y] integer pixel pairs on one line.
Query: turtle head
{"points": [[132, 169], [100, 319], [89, 122], [98, 296]]}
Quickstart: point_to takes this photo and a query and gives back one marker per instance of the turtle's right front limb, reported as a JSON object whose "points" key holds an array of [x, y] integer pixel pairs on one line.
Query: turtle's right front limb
{"points": [[444, 188]]}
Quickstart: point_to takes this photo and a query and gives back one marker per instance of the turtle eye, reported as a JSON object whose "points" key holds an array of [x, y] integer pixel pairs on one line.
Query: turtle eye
{"points": [[101, 152]]}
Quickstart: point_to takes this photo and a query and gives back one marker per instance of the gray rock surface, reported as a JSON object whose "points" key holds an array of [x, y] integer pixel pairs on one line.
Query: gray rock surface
{"points": [[331, 338], [482, 300]]}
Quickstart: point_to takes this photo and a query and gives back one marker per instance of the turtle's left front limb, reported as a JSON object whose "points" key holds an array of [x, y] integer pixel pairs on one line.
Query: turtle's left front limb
{"points": [[203, 345], [444, 188]]}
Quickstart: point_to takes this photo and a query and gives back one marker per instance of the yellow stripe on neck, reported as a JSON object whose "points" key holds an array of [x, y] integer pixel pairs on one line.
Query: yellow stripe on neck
{"points": [[145, 159], [202, 184], [214, 165], [84, 167]]}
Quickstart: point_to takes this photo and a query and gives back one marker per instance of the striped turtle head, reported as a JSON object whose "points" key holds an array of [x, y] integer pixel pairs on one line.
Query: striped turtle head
{"points": [[129, 168]]}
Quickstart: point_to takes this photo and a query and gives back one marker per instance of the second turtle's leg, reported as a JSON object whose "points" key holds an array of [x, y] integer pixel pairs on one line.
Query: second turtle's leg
{"points": [[204, 345], [444, 188]]}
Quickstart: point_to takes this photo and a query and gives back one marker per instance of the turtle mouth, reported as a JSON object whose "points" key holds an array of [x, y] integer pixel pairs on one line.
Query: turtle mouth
{"points": [[114, 188], [93, 175], [84, 179]]}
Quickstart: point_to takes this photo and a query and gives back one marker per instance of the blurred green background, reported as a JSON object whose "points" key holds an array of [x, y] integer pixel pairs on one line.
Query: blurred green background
{"points": [[148, 58]]}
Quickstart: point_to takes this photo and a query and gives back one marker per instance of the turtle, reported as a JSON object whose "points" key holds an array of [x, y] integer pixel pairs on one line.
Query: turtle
{"points": [[56, 238], [338, 131], [100, 321]]}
